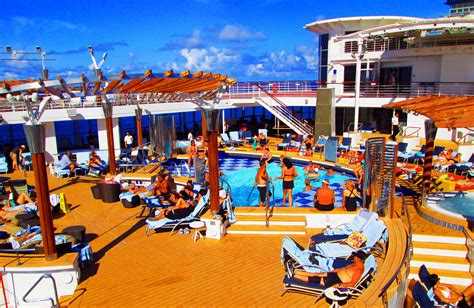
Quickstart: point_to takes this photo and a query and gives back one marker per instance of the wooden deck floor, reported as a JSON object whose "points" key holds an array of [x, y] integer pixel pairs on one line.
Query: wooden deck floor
{"points": [[161, 270]]}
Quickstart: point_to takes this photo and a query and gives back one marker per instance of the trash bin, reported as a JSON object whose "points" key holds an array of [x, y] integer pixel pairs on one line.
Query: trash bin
{"points": [[96, 192], [109, 192], [77, 232]]}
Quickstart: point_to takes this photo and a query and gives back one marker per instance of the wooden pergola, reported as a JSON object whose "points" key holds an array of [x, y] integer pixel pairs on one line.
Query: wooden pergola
{"points": [[159, 88], [445, 111], [165, 85]]}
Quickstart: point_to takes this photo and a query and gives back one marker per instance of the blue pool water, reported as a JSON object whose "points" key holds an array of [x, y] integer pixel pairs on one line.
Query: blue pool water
{"points": [[463, 205], [240, 173]]}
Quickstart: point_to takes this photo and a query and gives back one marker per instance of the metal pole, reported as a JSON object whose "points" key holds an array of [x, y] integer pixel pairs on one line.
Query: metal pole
{"points": [[357, 85]]}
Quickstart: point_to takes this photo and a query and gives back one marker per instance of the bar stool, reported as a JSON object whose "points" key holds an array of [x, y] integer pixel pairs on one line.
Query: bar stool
{"points": [[197, 226]]}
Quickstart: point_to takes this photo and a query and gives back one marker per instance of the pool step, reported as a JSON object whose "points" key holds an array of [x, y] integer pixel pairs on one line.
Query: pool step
{"points": [[273, 220], [283, 221], [445, 256], [262, 230]]}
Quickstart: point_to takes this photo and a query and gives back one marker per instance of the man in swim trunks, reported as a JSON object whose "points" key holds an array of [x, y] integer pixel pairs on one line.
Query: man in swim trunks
{"points": [[261, 180], [342, 277], [324, 198]]}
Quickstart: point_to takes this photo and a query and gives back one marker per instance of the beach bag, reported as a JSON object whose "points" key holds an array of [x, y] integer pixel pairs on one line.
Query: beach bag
{"points": [[356, 239], [63, 203]]}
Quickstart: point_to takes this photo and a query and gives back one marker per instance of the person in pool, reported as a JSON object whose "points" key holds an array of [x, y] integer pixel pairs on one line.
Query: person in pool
{"points": [[267, 156], [288, 174]]}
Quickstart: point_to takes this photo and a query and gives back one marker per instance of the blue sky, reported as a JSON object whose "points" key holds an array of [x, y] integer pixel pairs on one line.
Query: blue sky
{"points": [[248, 40]]}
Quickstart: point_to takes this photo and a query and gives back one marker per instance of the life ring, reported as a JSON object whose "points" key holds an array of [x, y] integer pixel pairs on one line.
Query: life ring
{"points": [[274, 87]]}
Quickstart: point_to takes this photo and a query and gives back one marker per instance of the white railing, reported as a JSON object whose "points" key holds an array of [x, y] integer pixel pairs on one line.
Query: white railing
{"points": [[250, 90]]}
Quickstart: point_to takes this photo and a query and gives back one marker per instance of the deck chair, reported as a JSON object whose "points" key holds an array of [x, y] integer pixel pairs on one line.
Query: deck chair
{"points": [[226, 140], [234, 137], [285, 143], [463, 167], [61, 172], [166, 224], [420, 295], [26, 161], [358, 223], [247, 136], [291, 284], [437, 150], [3, 164], [373, 232], [345, 144], [17, 187]]}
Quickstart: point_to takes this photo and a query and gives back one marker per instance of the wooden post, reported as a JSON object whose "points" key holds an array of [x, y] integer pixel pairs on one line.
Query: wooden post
{"points": [[35, 135], [110, 144], [214, 170], [138, 117], [44, 206], [430, 134]]}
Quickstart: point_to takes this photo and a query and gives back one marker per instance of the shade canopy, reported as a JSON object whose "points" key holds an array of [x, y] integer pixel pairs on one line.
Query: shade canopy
{"points": [[167, 84], [445, 111]]}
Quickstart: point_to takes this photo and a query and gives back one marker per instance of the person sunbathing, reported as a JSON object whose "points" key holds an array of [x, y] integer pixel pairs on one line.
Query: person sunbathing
{"points": [[14, 242], [447, 294], [342, 277], [162, 187], [188, 191], [134, 189], [175, 211]]}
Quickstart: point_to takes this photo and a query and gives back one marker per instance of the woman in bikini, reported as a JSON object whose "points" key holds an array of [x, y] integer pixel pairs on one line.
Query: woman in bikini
{"points": [[309, 143], [267, 156], [288, 174], [192, 151]]}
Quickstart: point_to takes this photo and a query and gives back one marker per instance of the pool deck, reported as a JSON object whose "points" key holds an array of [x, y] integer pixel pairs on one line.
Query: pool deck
{"points": [[134, 270]]}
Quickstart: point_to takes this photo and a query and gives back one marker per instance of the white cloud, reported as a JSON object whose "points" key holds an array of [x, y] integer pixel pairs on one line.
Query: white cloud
{"points": [[10, 76], [208, 59], [21, 22], [238, 33]]}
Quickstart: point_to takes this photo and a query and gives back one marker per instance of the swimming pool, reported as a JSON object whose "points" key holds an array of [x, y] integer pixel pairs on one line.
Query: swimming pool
{"points": [[240, 173], [462, 203]]}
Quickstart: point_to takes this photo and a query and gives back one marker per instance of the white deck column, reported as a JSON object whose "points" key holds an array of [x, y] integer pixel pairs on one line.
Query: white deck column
{"points": [[51, 152], [102, 132]]}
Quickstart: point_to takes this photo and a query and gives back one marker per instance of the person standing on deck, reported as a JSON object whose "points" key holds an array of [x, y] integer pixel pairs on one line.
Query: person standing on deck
{"points": [[395, 126], [15, 156], [261, 180], [128, 140]]}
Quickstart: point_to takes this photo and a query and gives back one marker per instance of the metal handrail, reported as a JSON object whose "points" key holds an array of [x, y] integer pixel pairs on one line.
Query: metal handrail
{"points": [[416, 131], [438, 190], [229, 188], [353, 124], [267, 205], [463, 138], [43, 299]]}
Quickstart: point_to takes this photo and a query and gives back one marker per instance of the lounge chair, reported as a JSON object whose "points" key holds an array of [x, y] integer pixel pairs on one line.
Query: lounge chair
{"points": [[373, 232], [226, 140], [3, 164], [360, 221], [61, 172], [291, 284], [285, 143], [167, 223], [345, 144], [234, 137], [463, 167], [26, 161], [17, 187], [420, 295]]}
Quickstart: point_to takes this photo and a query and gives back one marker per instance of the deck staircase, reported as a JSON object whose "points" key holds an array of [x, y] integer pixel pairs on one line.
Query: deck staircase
{"points": [[276, 107], [284, 221], [445, 256]]}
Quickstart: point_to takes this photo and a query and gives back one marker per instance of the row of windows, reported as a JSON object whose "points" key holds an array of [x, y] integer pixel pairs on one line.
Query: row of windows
{"points": [[74, 134]]}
